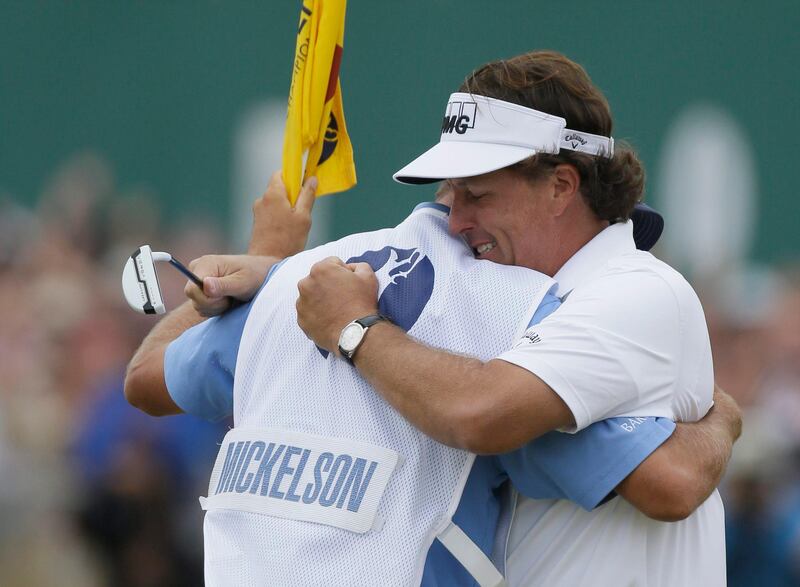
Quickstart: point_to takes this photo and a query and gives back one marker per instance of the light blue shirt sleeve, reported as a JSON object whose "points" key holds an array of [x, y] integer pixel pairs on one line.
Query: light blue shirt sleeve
{"points": [[199, 365], [587, 466]]}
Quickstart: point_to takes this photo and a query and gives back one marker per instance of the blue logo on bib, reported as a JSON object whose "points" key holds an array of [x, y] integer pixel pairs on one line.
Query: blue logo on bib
{"points": [[406, 278]]}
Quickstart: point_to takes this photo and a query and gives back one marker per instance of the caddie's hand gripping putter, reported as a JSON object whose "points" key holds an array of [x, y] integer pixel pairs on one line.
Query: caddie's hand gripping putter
{"points": [[140, 280]]}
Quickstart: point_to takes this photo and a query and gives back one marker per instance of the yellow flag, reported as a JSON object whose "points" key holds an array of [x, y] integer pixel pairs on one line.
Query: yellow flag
{"points": [[315, 118]]}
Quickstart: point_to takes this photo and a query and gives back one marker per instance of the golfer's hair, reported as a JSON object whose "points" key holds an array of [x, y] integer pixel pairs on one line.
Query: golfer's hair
{"points": [[550, 82]]}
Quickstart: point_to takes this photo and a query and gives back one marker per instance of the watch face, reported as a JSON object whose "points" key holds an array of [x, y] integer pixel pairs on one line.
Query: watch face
{"points": [[350, 337]]}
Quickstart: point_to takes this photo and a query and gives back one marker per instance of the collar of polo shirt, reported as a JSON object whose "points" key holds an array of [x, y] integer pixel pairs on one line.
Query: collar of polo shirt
{"points": [[482, 134]]}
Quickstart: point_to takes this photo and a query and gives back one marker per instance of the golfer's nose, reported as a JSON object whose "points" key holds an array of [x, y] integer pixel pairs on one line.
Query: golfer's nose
{"points": [[461, 218]]}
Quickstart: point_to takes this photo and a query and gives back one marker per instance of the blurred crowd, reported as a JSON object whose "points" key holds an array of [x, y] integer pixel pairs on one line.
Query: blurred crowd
{"points": [[754, 322], [93, 493]]}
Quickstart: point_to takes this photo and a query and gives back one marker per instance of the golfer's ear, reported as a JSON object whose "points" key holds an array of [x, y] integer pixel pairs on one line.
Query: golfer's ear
{"points": [[566, 185]]}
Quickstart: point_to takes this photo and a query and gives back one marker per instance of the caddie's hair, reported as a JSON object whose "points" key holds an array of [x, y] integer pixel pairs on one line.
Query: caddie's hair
{"points": [[550, 82]]}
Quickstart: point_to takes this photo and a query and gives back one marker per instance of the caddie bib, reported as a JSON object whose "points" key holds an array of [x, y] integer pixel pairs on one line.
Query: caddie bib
{"points": [[321, 482]]}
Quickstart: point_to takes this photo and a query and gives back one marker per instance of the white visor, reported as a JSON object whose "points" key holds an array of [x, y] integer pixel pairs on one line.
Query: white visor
{"points": [[481, 134]]}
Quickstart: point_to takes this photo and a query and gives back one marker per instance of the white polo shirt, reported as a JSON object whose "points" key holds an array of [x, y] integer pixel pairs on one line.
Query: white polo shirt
{"points": [[630, 339]]}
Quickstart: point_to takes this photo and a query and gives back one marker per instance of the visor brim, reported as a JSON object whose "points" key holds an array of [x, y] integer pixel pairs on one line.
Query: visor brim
{"points": [[451, 160]]}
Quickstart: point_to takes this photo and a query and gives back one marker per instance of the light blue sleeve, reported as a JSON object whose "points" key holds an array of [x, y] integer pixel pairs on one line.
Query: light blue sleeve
{"points": [[199, 366], [587, 466]]}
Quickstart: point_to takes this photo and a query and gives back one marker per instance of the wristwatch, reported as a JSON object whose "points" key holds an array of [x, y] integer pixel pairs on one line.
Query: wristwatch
{"points": [[353, 334]]}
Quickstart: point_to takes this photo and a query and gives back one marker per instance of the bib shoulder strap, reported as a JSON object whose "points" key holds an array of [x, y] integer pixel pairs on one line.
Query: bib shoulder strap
{"points": [[470, 556]]}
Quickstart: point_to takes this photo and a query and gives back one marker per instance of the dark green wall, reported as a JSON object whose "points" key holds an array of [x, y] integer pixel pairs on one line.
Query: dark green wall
{"points": [[158, 87]]}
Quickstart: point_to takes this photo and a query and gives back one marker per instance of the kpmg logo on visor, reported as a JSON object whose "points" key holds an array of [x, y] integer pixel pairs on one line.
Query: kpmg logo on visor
{"points": [[459, 117]]}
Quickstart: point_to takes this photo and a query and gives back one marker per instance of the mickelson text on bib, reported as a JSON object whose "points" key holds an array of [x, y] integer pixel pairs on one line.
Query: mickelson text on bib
{"points": [[300, 476]]}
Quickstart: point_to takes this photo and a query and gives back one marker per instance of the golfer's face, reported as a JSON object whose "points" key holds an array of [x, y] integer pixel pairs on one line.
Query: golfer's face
{"points": [[444, 194], [503, 217]]}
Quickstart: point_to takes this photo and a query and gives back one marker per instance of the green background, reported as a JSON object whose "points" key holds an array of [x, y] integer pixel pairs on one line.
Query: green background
{"points": [[158, 87]]}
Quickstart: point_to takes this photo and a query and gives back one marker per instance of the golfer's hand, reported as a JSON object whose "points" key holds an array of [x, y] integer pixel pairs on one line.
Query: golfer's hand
{"points": [[280, 230], [226, 278], [333, 295], [727, 408]]}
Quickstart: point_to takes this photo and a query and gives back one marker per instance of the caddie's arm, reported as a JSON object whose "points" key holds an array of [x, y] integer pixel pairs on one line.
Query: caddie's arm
{"points": [[457, 400], [664, 470], [279, 230], [145, 387], [681, 473], [225, 278]]}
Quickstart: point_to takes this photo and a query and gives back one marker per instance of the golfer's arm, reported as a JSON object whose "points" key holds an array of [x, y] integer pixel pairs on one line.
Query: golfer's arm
{"points": [[145, 387], [483, 407], [680, 475]]}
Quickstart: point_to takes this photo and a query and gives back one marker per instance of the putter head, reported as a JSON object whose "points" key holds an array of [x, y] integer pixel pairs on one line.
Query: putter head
{"points": [[140, 283]]}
